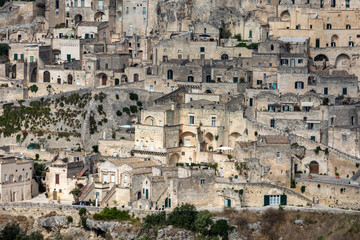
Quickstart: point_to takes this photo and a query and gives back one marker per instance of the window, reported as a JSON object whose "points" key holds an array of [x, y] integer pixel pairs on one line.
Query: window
{"points": [[144, 20], [134, 9], [274, 199], [344, 137], [235, 79], [130, 27], [259, 64], [270, 64], [278, 155], [170, 74], [151, 122], [271, 108], [57, 179], [272, 123], [15, 56], [317, 43], [76, 3], [100, 4], [57, 4], [286, 108], [348, 26], [82, 3], [328, 26], [105, 178], [352, 120], [251, 102], [344, 91], [127, 10], [284, 61], [187, 143], [310, 26], [106, 66], [312, 138], [190, 79], [250, 34], [191, 120], [258, 82], [151, 87], [347, 3], [310, 126], [299, 85], [333, 3], [144, 10], [300, 61], [112, 178], [202, 49], [326, 91], [202, 181], [292, 62], [213, 121]]}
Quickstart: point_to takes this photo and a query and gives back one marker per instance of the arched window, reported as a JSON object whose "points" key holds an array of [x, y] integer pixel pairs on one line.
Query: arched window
{"points": [[46, 76], [272, 47], [224, 56], [70, 79], [170, 74], [328, 26], [117, 81], [190, 79]]}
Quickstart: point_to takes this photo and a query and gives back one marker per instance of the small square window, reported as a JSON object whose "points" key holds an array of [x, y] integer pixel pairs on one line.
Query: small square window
{"points": [[202, 49], [344, 137], [278, 155], [202, 181]]}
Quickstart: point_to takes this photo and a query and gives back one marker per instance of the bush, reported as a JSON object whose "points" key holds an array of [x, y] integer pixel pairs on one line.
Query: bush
{"points": [[237, 36], [10, 231], [221, 228], [224, 33], [133, 109], [202, 222], [156, 219], [37, 156], [133, 96], [118, 113], [183, 216], [82, 212], [33, 88], [83, 222], [126, 110], [70, 219], [271, 218], [303, 189], [112, 214], [293, 183], [34, 146], [139, 104]]}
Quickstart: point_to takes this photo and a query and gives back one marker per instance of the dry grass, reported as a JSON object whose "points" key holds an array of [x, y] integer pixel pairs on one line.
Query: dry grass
{"points": [[277, 224]]}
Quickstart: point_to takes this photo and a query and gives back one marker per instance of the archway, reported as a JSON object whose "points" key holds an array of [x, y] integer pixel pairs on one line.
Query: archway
{"points": [[33, 75], [334, 40], [321, 57], [136, 77], [149, 121], [314, 167], [104, 79], [20, 178], [187, 139], [46, 76], [78, 18], [98, 17], [70, 79], [208, 91], [208, 142], [342, 61], [174, 158], [233, 138], [285, 16], [224, 56], [124, 78], [13, 71], [11, 178]]}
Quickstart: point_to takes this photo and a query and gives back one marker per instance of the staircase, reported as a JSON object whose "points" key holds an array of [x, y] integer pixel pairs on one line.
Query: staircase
{"points": [[86, 191], [356, 176], [82, 172], [108, 195]]}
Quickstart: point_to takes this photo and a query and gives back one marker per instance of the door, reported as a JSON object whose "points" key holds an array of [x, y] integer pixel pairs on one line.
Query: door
{"points": [[68, 56], [55, 195], [292, 62], [314, 167], [147, 193]]}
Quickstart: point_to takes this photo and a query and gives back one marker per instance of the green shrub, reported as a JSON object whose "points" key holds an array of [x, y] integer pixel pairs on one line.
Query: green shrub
{"points": [[118, 113], [202, 222], [133, 109], [70, 219], [225, 33], [133, 96], [117, 96], [237, 36], [83, 222], [126, 110], [95, 148], [37, 156], [33, 88], [156, 219], [183, 216], [303, 189], [221, 229], [139, 104], [82, 212], [112, 214]]}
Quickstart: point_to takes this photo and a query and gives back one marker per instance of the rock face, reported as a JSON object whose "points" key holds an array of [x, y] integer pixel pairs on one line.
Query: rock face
{"points": [[54, 223], [101, 225]]}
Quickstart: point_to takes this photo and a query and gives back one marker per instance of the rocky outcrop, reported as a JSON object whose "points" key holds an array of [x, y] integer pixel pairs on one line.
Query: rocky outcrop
{"points": [[54, 223]]}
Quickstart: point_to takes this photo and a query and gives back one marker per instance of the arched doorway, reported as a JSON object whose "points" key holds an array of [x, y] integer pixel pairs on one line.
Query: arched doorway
{"points": [[314, 167], [320, 58], [46, 76], [174, 158], [98, 17], [117, 81], [104, 79], [124, 78], [224, 56], [342, 61], [13, 71], [285, 16], [78, 18], [208, 142], [334, 41], [70, 79], [136, 77]]}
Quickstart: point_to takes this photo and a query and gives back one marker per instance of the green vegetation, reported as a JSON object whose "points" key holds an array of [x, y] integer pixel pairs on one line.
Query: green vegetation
{"points": [[118, 113], [126, 110], [303, 189], [60, 25], [112, 214], [13, 232], [82, 212], [95, 148], [33, 88], [70, 219], [225, 33], [4, 48], [133, 109], [134, 97], [237, 36], [186, 216], [75, 192]]}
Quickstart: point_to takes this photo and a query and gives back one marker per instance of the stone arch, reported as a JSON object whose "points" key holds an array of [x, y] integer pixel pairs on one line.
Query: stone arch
{"points": [[124, 78], [320, 58], [20, 178], [224, 56], [46, 76], [285, 16], [11, 178], [342, 61], [208, 90], [78, 18], [174, 158], [33, 75], [233, 138], [149, 120], [187, 139], [334, 40], [208, 142], [98, 16], [314, 167], [70, 79]]}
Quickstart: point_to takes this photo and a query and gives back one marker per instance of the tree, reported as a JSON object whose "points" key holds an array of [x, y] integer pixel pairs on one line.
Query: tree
{"points": [[75, 192], [10, 232], [183, 216], [33, 88], [220, 228], [202, 222]]}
